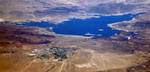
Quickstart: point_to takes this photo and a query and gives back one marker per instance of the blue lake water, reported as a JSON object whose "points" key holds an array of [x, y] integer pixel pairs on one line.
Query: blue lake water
{"points": [[85, 27]]}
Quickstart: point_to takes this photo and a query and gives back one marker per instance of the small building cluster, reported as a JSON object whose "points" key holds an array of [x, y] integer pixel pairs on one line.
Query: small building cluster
{"points": [[54, 53]]}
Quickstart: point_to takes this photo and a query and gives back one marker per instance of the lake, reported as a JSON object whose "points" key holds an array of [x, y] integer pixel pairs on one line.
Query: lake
{"points": [[85, 27]]}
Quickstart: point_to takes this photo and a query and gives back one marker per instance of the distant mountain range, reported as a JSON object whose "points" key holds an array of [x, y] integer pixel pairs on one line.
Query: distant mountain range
{"points": [[61, 10]]}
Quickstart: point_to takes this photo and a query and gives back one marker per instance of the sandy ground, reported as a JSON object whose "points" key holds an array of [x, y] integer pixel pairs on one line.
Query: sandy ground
{"points": [[92, 55]]}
